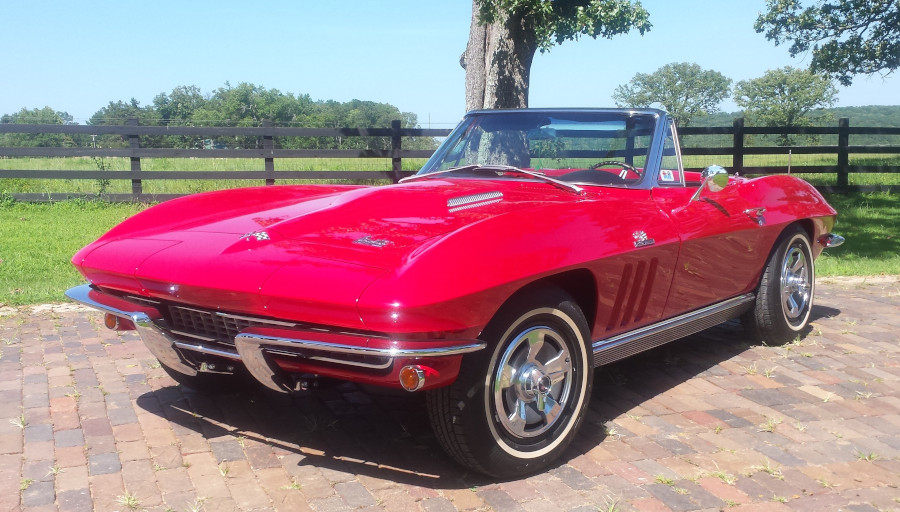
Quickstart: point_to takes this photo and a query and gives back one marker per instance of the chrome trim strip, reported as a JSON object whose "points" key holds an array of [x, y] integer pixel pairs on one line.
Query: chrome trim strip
{"points": [[208, 350], [255, 319], [80, 295], [668, 330], [474, 205], [344, 362], [322, 346], [455, 202], [195, 336]]}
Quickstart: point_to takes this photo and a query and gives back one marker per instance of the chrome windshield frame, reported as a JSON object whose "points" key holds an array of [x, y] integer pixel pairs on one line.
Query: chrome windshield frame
{"points": [[653, 158]]}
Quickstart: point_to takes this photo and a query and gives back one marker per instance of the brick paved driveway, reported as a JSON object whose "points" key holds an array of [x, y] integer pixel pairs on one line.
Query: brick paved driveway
{"points": [[90, 422]]}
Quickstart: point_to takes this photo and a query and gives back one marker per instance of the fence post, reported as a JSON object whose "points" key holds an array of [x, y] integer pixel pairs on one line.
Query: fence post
{"points": [[737, 159], [134, 142], [269, 146], [843, 163], [396, 142]]}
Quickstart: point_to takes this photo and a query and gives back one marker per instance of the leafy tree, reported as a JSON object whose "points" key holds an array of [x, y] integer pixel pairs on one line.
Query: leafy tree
{"points": [[44, 115], [785, 97], [683, 89], [846, 37], [505, 34], [179, 106]]}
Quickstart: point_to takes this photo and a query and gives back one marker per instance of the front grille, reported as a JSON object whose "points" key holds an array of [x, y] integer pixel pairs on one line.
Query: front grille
{"points": [[207, 325]]}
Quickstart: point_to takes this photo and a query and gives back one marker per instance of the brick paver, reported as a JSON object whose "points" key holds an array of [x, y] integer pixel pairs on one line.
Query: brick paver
{"points": [[89, 421]]}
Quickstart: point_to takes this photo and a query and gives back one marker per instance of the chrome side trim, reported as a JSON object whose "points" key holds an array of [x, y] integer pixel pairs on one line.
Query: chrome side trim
{"points": [[651, 336]]}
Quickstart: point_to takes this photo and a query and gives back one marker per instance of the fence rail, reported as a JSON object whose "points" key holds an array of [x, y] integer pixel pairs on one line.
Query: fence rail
{"points": [[266, 150]]}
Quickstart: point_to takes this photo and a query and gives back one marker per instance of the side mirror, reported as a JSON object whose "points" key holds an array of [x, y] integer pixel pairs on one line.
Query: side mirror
{"points": [[715, 178]]}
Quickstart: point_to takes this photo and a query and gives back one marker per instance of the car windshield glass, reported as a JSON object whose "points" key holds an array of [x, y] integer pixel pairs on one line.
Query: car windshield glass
{"points": [[589, 147]]}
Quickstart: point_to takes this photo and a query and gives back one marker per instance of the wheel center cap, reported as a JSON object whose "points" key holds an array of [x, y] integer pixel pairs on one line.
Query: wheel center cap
{"points": [[533, 383]]}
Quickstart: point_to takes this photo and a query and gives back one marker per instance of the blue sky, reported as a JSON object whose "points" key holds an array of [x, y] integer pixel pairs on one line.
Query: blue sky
{"points": [[77, 56]]}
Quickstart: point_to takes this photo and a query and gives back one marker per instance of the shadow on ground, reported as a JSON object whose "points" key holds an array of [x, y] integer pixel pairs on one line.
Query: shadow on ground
{"points": [[385, 434]]}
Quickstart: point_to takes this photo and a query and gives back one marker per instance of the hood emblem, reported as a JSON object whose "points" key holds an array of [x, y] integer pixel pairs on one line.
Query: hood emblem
{"points": [[464, 202], [258, 235], [641, 239], [372, 242]]}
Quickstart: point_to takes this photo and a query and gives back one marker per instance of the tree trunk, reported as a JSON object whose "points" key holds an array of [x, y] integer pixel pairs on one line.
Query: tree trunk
{"points": [[497, 61]]}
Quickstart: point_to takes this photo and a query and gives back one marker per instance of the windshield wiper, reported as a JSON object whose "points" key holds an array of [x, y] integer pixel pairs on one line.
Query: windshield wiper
{"points": [[499, 170], [415, 177]]}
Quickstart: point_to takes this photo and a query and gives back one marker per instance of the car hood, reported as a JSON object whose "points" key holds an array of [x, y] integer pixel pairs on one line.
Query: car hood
{"points": [[375, 226], [270, 249]]}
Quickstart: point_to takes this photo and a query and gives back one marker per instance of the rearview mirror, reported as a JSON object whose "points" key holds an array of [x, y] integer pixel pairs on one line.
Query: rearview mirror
{"points": [[715, 178]]}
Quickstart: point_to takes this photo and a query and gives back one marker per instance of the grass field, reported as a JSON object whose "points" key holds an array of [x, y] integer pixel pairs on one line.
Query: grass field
{"points": [[38, 239]]}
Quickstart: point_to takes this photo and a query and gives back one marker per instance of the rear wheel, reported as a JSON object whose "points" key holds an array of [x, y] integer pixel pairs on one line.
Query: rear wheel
{"points": [[786, 291], [517, 405]]}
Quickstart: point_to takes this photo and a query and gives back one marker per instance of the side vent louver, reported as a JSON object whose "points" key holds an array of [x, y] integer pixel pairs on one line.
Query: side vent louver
{"points": [[465, 202], [634, 293]]}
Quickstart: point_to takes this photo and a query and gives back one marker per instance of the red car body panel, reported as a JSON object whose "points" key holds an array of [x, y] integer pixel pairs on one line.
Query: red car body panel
{"points": [[399, 263]]}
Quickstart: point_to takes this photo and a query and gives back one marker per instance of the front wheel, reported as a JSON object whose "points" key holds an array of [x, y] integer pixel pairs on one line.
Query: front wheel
{"points": [[786, 290], [516, 406]]}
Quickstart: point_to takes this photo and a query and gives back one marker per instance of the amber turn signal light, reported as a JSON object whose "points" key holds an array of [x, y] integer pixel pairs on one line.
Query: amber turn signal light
{"points": [[412, 378], [111, 321]]}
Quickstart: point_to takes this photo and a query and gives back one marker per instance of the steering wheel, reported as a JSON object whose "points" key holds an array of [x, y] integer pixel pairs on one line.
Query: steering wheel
{"points": [[623, 165]]}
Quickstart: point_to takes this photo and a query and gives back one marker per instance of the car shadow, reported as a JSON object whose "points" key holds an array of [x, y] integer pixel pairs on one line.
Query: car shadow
{"points": [[385, 434]]}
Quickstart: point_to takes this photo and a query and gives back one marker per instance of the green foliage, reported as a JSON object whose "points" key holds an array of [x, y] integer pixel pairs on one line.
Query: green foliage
{"points": [[683, 89], [44, 115], [557, 21], [846, 38], [244, 105], [785, 97]]}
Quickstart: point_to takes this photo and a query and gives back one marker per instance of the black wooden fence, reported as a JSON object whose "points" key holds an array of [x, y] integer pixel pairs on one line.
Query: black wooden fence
{"points": [[267, 151]]}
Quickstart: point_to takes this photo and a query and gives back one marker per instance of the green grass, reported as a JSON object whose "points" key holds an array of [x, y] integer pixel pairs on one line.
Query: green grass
{"points": [[37, 241], [871, 225], [156, 186]]}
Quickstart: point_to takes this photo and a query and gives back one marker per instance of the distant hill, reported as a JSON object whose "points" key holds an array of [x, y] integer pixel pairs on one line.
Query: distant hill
{"points": [[870, 115]]}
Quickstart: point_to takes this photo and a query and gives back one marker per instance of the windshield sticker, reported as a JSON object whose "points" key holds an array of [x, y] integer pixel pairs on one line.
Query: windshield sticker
{"points": [[666, 175]]}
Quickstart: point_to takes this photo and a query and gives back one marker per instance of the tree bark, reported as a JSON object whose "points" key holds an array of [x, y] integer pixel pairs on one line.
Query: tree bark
{"points": [[498, 61]]}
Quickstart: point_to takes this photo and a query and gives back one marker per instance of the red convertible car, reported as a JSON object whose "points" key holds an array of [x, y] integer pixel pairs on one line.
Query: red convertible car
{"points": [[532, 247]]}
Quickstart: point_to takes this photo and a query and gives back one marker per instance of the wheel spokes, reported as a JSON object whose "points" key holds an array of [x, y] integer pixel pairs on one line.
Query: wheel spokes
{"points": [[535, 340], [558, 368]]}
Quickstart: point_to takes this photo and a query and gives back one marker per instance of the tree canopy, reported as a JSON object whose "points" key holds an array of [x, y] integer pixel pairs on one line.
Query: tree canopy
{"points": [[683, 89], [505, 34], [243, 105], [845, 37], [785, 97]]}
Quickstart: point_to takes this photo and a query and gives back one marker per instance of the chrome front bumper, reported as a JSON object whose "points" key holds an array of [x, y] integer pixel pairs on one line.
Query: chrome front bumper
{"points": [[255, 345]]}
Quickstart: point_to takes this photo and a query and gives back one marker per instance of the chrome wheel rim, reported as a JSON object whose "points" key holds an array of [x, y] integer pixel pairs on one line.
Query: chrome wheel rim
{"points": [[796, 285], [533, 382]]}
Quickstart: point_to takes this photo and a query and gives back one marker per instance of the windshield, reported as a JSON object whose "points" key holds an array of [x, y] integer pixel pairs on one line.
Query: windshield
{"points": [[590, 147]]}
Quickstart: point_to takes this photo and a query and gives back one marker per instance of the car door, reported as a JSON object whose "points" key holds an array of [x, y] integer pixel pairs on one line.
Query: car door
{"points": [[723, 240]]}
